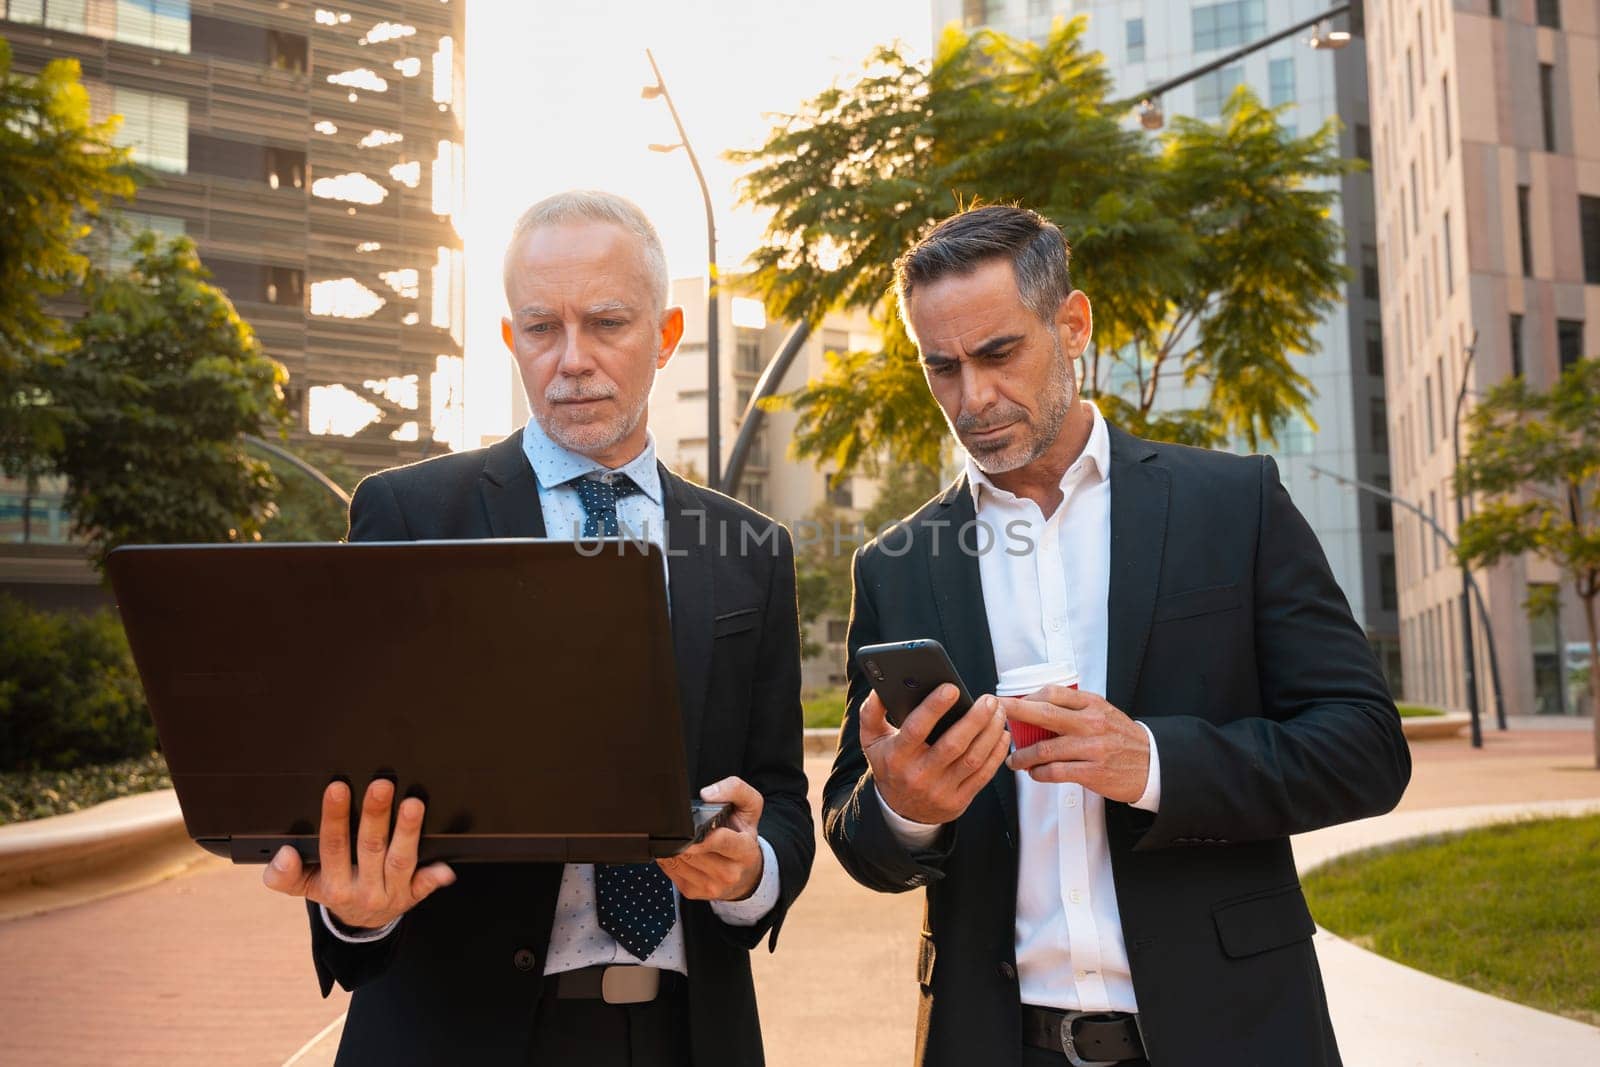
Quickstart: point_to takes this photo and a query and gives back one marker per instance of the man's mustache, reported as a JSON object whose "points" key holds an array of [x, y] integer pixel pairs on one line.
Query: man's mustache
{"points": [[576, 393], [990, 421]]}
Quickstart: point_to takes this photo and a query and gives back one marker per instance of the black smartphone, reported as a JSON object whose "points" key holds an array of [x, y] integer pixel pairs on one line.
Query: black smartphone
{"points": [[903, 673], [709, 817]]}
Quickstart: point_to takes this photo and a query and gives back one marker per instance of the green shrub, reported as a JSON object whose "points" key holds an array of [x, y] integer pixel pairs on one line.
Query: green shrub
{"points": [[69, 693]]}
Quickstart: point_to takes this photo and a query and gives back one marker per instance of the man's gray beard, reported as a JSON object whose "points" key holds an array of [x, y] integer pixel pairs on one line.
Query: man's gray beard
{"points": [[585, 444], [1058, 397]]}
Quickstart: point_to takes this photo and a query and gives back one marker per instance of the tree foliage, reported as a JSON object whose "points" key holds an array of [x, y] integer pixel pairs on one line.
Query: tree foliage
{"points": [[1535, 457], [162, 381], [58, 172], [303, 509], [1210, 254]]}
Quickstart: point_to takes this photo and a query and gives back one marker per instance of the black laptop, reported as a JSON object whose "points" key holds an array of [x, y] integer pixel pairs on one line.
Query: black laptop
{"points": [[525, 689]]}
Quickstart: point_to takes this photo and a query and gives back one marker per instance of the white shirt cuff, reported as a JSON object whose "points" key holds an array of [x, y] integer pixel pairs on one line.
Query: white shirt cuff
{"points": [[913, 835], [356, 939], [1150, 799], [753, 908]]}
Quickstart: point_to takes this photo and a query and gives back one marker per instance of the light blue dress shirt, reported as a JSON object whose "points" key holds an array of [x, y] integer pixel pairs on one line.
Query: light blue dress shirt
{"points": [[576, 939]]}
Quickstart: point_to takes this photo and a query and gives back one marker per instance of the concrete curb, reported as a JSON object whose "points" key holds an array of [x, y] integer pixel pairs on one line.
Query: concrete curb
{"points": [[1435, 727], [821, 740], [65, 859]]}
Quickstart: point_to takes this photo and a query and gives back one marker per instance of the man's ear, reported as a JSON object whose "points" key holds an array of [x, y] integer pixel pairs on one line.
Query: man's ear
{"points": [[1075, 323], [506, 336], [671, 334]]}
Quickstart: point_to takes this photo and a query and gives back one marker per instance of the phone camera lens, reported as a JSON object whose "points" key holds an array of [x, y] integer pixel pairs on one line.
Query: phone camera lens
{"points": [[912, 683], [874, 670]]}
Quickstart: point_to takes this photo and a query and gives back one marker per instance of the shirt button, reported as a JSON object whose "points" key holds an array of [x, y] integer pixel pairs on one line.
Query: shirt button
{"points": [[523, 959], [1072, 799], [1055, 625], [1075, 896], [1008, 971], [1082, 974]]}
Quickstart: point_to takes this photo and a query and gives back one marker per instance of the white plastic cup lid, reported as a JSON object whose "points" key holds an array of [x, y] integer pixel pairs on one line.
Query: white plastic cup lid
{"points": [[1020, 681]]}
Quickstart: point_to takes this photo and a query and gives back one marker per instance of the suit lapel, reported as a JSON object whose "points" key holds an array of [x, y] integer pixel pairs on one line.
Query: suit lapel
{"points": [[958, 593], [1139, 492], [511, 491], [691, 580]]}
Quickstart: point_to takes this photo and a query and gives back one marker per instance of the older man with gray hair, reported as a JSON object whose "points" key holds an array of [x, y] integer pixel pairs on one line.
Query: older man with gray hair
{"points": [[520, 963]]}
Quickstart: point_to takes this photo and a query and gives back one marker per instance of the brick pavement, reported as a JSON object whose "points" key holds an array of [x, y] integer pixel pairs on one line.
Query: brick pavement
{"points": [[209, 968]]}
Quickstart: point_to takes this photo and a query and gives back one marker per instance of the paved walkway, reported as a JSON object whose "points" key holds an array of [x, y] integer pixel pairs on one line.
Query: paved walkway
{"points": [[208, 968]]}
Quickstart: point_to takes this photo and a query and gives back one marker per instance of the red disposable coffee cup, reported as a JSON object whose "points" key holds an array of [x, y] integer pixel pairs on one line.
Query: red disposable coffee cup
{"points": [[1024, 681]]}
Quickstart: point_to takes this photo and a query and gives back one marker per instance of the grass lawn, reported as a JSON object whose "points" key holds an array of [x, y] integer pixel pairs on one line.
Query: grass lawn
{"points": [[1417, 711], [824, 708], [1510, 910]]}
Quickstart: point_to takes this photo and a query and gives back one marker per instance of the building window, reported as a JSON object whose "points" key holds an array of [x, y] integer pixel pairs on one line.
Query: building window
{"points": [[134, 223], [1369, 272], [1589, 229], [162, 24], [1427, 396], [1547, 104], [1212, 90], [1516, 346], [1383, 512], [1280, 78], [1544, 640], [1364, 141], [1388, 597], [1449, 260], [258, 283], [840, 492], [1134, 36], [747, 350], [1378, 425], [1228, 24], [1445, 86], [1374, 348], [754, 493], [1433, 513], [154, 126], [1494, 8], [1569, 341], [1411, 90], [975, 13], [838, 631], [1523, 225], [1295, 437], [1548, 13], [1416, 213]]}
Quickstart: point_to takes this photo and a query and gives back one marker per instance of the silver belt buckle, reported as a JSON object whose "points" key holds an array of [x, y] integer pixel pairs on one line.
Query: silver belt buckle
{"points": [[626, 984], [1070, 1049]]}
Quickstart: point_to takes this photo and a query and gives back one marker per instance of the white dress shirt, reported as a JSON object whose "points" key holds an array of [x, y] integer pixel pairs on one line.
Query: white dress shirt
{"points": [[576, 939], [1048, 603]]}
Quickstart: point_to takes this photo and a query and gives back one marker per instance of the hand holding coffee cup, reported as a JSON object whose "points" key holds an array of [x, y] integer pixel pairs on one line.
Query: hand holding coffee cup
{"points": [[1027, 681], [1090, 742]]}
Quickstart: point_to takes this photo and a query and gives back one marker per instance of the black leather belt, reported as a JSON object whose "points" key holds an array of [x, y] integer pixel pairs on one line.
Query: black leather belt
{"points": [[617, 983], [1085, 1038]]}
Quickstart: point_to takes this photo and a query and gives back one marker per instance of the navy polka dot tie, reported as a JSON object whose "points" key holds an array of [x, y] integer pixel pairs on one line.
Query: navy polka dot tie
{"points": [[599, 495], [633, 901]]}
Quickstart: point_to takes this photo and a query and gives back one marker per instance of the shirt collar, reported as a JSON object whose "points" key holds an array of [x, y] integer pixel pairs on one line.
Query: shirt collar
{"points": [[1094, 460], [554, 465]]}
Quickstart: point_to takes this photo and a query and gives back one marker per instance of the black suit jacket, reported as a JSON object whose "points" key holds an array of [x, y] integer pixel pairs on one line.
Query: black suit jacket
{"points": [[461, 978], [1230, 640]]}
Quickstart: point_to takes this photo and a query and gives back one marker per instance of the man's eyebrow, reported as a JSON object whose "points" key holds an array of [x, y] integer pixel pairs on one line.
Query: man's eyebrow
{"points": [[988, 348], [534, 311], [608, 305]]}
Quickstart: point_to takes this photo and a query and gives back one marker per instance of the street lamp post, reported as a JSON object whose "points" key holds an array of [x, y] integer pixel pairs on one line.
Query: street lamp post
{"points": [[1150, 114], [713, 419], [1468, 582], [1468, 653]]}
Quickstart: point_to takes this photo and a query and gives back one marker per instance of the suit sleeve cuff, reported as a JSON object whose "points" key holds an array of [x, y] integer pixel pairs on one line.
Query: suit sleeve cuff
{"points": [[753, 908], [913, 836], [349, 934], [1150, 799]]}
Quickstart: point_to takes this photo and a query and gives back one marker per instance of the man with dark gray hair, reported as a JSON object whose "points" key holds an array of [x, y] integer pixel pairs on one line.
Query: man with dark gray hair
{"points": [[1182, 688], [598, 965]]}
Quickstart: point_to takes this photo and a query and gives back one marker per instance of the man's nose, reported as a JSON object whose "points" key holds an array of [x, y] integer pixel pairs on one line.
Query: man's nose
{"points": [[575, 358], [978, 392]]}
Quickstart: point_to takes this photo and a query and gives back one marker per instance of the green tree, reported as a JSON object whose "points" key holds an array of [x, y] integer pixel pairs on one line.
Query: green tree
{"points": [[58, 171], [303, 509], [1535, 457], [162, 381], [1210, 254], [822, 573]]}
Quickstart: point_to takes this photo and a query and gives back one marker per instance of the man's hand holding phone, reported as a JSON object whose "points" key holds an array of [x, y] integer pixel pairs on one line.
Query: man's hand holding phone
{"points": [[933, 783], [727, 863]]}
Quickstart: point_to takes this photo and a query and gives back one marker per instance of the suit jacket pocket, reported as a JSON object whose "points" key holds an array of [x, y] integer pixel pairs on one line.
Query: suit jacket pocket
{"points": [[1258, 922], [735, 622], [925, 956], [1198, 602]]}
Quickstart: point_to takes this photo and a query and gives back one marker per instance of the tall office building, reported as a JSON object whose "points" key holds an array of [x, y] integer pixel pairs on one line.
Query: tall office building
{"points": [[314, 155], [1146, 42], [1487, 146]]}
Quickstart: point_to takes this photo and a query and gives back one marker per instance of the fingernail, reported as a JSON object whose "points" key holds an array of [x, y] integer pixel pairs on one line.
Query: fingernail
{"points": [[280, 858], [711, 792]]}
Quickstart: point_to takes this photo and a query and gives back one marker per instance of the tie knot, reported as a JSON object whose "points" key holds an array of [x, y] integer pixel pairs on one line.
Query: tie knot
{"points": [[599, 494]]}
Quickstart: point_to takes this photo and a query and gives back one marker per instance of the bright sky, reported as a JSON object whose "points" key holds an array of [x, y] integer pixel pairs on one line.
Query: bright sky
{"points": [[553, 103]]}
